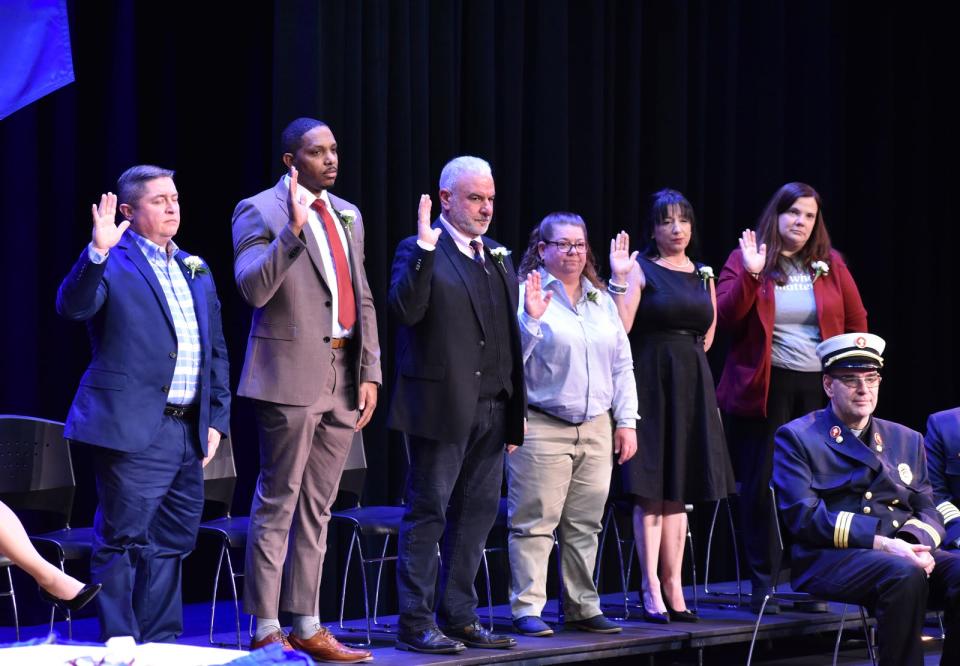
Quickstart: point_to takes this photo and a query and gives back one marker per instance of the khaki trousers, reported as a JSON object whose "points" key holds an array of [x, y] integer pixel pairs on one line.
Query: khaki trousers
{"points": [[559, 478]]}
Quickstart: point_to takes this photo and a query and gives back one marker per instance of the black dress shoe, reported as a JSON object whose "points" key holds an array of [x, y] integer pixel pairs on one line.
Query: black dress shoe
{"points": [[655, 618], [428, 641], [83, 597], [475, 635]]}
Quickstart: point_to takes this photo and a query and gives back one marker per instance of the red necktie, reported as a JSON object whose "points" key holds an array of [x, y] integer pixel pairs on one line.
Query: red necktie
{"points": [[477, 251], [346, 306]]}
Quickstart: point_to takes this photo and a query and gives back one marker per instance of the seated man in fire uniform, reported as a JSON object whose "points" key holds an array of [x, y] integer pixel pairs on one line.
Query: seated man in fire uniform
{"points": [[854, 496]]}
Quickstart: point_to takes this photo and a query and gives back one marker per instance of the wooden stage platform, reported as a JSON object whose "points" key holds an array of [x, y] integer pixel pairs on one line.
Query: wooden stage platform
{"points": [[721, 637]]}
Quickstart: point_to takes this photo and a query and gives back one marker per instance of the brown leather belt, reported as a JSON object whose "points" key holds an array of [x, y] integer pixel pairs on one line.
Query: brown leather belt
{"points": [[339, 343]]}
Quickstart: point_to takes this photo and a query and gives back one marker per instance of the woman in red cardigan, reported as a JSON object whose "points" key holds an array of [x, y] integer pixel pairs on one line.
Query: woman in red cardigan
{"points": [[777, 301]]}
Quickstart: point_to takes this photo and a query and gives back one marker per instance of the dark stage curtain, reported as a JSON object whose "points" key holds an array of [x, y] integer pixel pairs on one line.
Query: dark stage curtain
{"points": [[580, 105]]}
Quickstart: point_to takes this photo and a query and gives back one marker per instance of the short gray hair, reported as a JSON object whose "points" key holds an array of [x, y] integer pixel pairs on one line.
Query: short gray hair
{"points": [[460, 166], [130, 184]]}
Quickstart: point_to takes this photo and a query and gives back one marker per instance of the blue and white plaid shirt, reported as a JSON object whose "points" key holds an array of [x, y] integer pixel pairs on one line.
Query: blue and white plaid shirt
{"points": [[186, 374]]}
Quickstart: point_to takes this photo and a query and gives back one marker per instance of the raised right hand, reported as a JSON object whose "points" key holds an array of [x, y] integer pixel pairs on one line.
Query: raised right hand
{"points": [[535, 300], [106, 232], [754, 258], [425, 232], [621, 260], [295, 205]]}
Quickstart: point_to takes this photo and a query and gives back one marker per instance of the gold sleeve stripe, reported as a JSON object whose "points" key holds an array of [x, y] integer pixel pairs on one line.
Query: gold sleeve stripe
{"points": [[926, 528], [948, 510], [841, 530]]}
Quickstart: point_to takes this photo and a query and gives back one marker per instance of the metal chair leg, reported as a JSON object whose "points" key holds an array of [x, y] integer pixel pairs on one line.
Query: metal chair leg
{"points": [[693, 567], [756, 628], [486, 573], [366, 594], [866, 633], [13, 601], [346, 576], [836, 643], [216, 588], [236, 602], [376, 597]]}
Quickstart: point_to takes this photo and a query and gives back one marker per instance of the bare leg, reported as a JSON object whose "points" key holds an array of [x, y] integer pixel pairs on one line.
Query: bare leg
{"points": [[647, 528], [15, 544], [671, 554]]}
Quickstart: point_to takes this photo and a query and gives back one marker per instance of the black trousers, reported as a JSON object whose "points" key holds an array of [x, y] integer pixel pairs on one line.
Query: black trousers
{"points": [[897, 591], [792, 394], [453, 493]]}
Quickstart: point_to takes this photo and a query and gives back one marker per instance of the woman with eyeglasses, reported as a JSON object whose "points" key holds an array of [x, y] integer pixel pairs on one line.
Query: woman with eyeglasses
{"points": [[780, 294], [667, 303], [582, 412]]}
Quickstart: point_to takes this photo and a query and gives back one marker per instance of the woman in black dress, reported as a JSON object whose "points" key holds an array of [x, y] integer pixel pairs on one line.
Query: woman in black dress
{"points": [[668, 305]]}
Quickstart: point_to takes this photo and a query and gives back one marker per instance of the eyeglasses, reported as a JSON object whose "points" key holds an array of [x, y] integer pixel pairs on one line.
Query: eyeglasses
{"points": [[565, 246], [853, 381]]}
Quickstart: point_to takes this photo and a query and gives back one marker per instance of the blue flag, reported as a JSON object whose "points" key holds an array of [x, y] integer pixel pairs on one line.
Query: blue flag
{"points": [[35, 56]]}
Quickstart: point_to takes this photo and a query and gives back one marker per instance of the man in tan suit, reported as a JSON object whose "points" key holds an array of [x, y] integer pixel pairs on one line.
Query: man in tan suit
{"points": [[312, 368]]}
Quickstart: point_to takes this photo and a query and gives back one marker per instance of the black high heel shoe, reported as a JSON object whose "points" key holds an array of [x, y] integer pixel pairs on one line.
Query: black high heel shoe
{"points": [[680, 616], [83, 597], [655, 618]]}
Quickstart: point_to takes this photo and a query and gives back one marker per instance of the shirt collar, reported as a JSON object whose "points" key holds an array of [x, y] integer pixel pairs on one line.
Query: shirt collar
{"points": [[458, 236], [154, 252], [547, 279]]}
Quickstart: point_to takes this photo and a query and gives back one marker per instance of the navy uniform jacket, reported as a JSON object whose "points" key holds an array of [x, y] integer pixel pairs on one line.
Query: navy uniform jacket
{"points": [[834, 492], [943, 465], [440, 340]]}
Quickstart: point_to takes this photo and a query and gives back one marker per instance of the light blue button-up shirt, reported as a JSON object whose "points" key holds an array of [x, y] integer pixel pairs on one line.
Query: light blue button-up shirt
{"points": [[576, 357]]}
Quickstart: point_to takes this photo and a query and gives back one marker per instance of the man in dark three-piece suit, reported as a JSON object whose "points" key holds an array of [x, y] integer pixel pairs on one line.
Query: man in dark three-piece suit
{"points": [[943, 463], [459, 398], [855, 498], [312, 370], [153, 403]]}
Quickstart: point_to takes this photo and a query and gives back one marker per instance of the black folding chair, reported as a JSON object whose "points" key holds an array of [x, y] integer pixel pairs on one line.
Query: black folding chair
{"points": [[219, 482], [36, 479], [800, 596]]}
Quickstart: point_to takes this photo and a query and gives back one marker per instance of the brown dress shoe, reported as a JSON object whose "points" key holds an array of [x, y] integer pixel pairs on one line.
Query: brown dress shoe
{"points": [[322, 646], [275, 637]]}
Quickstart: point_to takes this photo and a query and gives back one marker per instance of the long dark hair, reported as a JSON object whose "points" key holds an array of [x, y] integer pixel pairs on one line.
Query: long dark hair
{"points": [[543, 232], [660, 204], [817, 247]]}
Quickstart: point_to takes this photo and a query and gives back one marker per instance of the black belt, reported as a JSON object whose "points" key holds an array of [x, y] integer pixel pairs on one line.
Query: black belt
{"points": [[182, 412], [534, 408]]}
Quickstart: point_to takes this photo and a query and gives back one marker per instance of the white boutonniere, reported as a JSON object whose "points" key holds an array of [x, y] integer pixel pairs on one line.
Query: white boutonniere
{"points": [[195, 265], [499, 254], [819, 268], [593, 296], [348, 217], [706, 274]]}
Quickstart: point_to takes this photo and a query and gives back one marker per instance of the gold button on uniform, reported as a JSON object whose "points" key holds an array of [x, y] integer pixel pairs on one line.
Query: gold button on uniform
{"points": [[866, 509], [896, 523], [868, 495], [890, 508]]}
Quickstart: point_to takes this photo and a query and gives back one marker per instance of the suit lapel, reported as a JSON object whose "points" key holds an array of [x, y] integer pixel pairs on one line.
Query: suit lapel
{"points": [[849, 445], [199, 299], [135, 255], [313, 246], [507, 276], [448, 246]]}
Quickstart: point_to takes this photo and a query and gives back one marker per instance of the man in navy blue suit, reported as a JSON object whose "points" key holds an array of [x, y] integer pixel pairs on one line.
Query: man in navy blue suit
{"points": [[854, 496], [153, 403], [943, 462]]}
